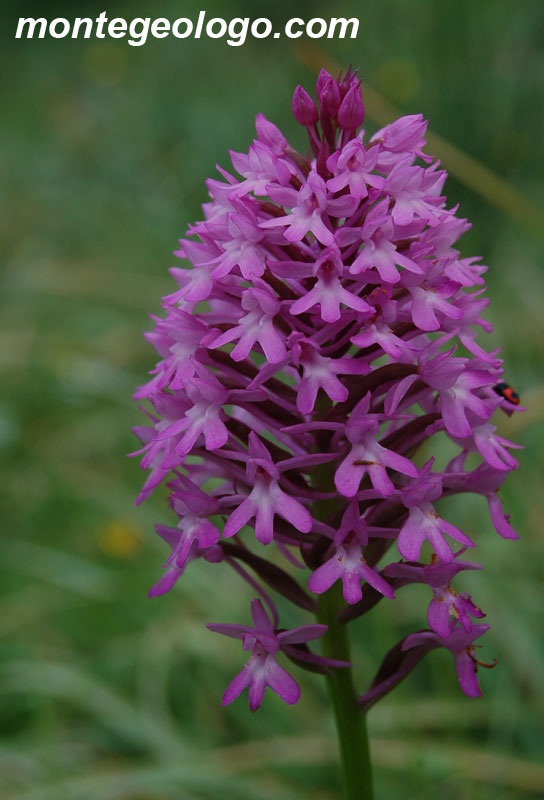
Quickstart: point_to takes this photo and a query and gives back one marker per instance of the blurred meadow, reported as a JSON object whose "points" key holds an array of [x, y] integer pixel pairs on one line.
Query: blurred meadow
{"points": [[104, 694]]}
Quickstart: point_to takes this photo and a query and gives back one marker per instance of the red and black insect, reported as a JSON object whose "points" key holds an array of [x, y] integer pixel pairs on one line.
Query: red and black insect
{"points": [[506, 391]]}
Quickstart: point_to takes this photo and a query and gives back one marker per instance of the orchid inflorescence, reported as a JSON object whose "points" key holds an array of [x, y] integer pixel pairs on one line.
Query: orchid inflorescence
{"points": [[324, 333]]}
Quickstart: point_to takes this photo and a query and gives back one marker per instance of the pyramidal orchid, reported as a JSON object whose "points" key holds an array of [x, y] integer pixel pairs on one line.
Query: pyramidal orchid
{"points": [[323, 329]]}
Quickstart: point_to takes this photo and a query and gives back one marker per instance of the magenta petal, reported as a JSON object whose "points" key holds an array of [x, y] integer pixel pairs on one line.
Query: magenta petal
{"points": [[236, 686], [348, 477], [215, 434], [166, 582], [273, 346], [466, 672], [226, 337], [234, 631], [455, 533], [257, 685], [490, 454], [294, 512], [395, 461], [440, 546], [455, 418], [170, 535], [376, 580], [325, 575], [302, 304], [264, 522], [351, 587], [438, 617], [423, 314], [239, 517], [207, 534], [410, 538], [498, 518], [281, 682], [396, 394], [381, 480], [306, 397]]}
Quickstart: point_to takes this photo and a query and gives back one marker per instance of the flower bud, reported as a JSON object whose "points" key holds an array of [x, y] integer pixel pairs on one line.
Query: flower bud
{"points": [[330, 99], [352, 111], [323, 78], [303, 106], [328, 94], [349, 80]]}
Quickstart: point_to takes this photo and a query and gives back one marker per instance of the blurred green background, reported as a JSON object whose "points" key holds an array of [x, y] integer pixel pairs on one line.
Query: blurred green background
{"points": [[105, 694]]}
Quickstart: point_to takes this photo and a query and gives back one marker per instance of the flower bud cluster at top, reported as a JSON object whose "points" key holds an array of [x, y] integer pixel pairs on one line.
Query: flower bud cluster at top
{"points": [[325, 329]]}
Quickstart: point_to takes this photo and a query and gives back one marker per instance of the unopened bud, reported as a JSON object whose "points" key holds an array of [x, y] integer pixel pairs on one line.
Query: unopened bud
{"points": [[323, 78], [352, 111], [330, 98], [345, 83], [303, 106]]}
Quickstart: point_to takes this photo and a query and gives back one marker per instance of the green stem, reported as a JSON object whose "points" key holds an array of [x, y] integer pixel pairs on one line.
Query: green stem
{"points": [[350, 722]]}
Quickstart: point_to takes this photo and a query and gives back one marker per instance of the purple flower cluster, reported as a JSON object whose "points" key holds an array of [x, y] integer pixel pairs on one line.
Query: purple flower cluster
{"points": [[323, 333]]}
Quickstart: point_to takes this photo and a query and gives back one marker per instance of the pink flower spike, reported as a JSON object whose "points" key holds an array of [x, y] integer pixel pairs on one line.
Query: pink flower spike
{"points": [[323, 337]]}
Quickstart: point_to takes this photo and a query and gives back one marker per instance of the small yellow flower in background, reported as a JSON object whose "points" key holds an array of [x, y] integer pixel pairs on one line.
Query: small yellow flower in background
{"points": [[120, 538]]}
